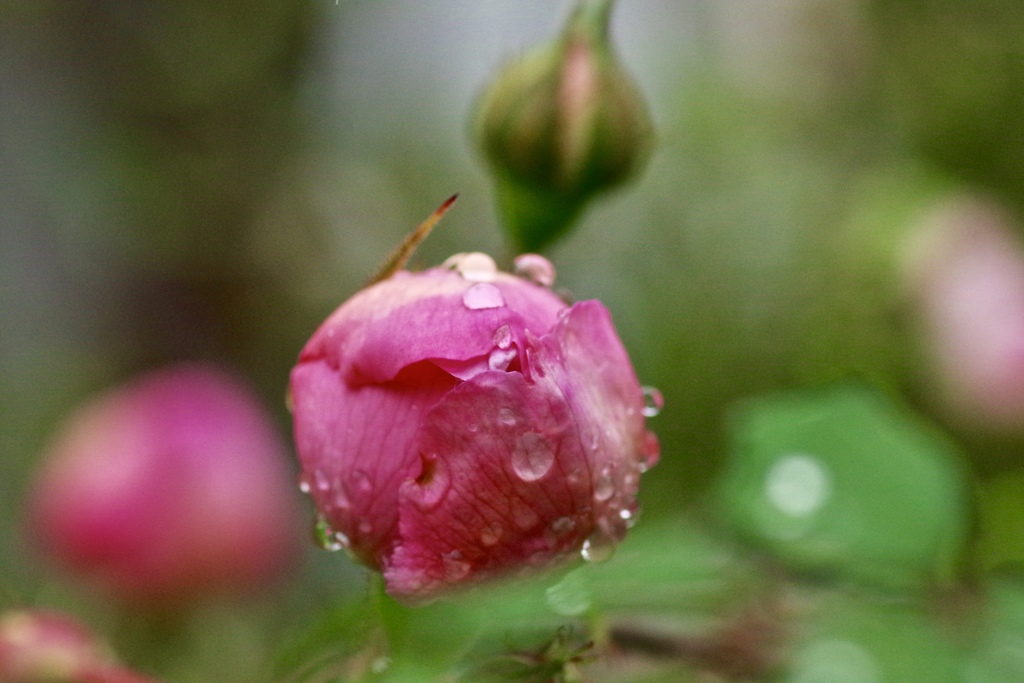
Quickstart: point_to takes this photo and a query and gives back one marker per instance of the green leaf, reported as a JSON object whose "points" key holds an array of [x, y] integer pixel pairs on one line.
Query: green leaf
{"points": [[841, 482], [853, 639]]}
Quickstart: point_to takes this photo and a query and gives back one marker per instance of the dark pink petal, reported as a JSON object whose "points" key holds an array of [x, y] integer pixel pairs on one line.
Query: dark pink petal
{"points": [[356, 446], [504, 484], [584, 357], [437, 314]]}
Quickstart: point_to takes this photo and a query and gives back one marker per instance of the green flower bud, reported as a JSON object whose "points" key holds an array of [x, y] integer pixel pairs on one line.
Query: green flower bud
{"points": [[559, 125]]}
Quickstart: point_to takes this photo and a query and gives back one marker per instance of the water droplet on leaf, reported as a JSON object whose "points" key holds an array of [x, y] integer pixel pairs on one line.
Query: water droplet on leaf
{"points": [[483, 295], [797, 485], [532, 457]]}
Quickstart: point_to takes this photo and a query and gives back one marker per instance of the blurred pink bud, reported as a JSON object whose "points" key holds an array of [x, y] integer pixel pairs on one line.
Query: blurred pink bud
{"points": [[967, 272], [47, 647], [168, 489], [459, 423]]}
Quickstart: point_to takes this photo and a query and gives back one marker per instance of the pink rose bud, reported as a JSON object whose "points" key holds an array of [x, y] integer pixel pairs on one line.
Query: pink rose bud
{"points": [[460, 423], [168, 489], [966, 267], [47, 647]]}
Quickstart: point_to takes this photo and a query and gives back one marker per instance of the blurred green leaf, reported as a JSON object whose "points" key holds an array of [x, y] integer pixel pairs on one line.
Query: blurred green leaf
{"points": [[841, 482], [847, 638], [997, 655]]}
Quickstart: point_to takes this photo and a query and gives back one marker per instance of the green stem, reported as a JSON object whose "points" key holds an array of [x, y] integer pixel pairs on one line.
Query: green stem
{"points": [[592, 17]]}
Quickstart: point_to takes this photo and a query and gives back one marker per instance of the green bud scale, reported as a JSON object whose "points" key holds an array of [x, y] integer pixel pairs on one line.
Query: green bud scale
{"points": [[559, 125]]}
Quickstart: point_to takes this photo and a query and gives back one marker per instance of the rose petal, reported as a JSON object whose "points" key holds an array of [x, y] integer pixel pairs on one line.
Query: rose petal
{"points": [[407, 319], [337, 425], [469, 515], [584, 357]]}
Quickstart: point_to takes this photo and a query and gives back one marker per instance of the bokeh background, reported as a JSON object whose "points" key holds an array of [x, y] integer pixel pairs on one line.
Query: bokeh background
{"points": [[208, 180]]}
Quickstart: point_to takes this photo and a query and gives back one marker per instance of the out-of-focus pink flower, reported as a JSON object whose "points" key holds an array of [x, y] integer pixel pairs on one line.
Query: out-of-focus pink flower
{"points": [[461, 423], [168, 489], [967, 274], [47, 647]]}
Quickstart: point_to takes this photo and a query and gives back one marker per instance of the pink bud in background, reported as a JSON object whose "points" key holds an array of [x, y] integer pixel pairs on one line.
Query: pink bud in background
{"points": [[967, 273], [46, 647], [168, 489], [460, 423]]}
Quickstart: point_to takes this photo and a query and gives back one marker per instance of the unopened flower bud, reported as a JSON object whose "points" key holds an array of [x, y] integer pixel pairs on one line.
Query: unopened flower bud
{"points": [[462, 423], [46, 647], [561, 124], [965, 266], [168, 489]]}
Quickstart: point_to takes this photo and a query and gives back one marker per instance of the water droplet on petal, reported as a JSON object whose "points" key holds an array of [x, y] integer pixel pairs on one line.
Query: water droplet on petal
{"points": [[653, 401], [629, 516], [483, 295], [500, 359], [365, 527], [326, 537], [490, 535], [535, 268], [532, 456], [340, 499], [599, 547], [503, 337], [455, 568], [304, 484], [507, 417], [650, 450], [558, 529], [431, 487], [474, 266], [362, 481], [604, 487], [320, 480]]}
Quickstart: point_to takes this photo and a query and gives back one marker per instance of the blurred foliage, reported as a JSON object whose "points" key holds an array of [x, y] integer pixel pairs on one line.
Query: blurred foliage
{"points": [[209, 180]]}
